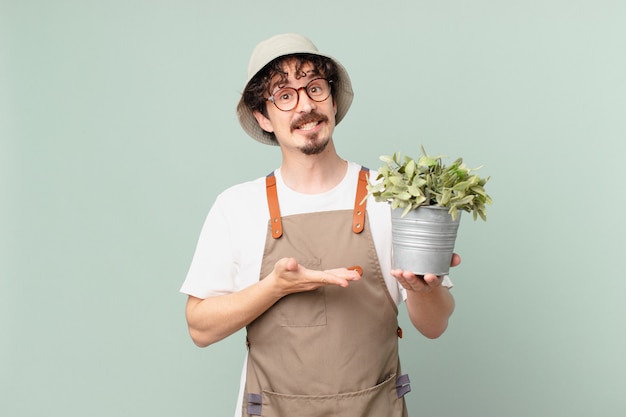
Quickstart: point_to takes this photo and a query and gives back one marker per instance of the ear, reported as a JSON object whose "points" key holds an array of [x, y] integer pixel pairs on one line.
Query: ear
{"points": [[263, 121]]}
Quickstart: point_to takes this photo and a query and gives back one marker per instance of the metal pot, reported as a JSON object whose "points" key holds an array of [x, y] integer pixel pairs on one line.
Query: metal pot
{"points": [[423, 240]]}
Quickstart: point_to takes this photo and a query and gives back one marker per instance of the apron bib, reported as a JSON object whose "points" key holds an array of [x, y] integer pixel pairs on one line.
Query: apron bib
{"points": [[332, 351]]}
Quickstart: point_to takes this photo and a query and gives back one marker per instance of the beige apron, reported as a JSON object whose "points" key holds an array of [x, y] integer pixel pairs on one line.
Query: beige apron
{"points": [[332, 351]]}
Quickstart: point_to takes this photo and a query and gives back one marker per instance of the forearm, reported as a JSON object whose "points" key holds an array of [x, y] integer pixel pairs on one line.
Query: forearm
{"points": [[429, 311], [214, 318]]}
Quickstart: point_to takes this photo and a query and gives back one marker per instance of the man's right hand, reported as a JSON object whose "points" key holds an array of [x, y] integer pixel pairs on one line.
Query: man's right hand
{"points": [[291, 277]]}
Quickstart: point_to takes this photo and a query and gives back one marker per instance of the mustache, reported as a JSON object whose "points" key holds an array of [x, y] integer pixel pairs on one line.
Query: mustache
{"points": [[308, 118]]}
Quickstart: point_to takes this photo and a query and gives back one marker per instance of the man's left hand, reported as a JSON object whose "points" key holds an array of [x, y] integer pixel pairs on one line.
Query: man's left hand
{"points": [[422, 283]]}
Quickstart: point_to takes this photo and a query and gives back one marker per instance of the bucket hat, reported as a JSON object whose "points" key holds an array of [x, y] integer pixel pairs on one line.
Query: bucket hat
{"points": [[282, 45]]}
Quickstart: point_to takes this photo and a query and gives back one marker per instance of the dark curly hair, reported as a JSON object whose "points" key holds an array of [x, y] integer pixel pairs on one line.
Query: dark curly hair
{"points": [[257, 90]]}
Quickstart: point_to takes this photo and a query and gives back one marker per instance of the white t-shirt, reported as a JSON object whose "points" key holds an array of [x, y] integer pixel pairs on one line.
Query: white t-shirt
{"points": [[230, 248], [229, 251]]}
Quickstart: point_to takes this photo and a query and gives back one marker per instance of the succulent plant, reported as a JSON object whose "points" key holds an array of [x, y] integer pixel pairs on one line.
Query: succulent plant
{"points": [[408, 183]]}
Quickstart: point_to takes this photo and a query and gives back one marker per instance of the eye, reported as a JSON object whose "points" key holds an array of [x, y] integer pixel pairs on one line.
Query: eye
{"points": [[316, 88], [284, 95]]}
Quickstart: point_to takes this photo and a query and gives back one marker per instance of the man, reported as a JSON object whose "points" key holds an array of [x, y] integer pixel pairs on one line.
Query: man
{"points": [[298, 260]]}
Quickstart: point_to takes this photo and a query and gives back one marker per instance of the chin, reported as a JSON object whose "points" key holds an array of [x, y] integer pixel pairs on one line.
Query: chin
{"points": [[314, 147]]}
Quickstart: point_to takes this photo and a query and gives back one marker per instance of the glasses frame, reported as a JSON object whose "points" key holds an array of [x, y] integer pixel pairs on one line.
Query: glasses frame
{"points": [[305, 88]]}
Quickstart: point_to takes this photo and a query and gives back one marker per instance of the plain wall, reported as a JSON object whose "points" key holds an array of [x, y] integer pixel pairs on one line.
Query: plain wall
{"points": [[118, 129]]}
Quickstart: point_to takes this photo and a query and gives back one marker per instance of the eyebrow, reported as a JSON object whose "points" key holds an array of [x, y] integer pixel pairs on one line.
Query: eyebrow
{"points": [[284, 76]]}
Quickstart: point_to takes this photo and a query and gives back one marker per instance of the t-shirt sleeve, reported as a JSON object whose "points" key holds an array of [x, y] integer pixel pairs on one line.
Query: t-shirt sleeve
{"points": [[212, 270]]}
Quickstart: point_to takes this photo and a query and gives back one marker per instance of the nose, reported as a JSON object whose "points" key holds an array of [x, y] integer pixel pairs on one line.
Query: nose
{"points": [[305, 104]]}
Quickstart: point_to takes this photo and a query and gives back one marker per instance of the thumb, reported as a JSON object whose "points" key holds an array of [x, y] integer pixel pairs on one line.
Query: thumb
{"points": [[288, 264]]}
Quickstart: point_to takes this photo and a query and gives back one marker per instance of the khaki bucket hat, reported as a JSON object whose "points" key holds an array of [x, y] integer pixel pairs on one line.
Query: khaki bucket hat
{"points": [[275, 47]]}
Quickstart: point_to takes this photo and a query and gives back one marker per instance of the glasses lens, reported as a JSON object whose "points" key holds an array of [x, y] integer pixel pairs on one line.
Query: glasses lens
{"points": [[318, 90], [287, 98]]}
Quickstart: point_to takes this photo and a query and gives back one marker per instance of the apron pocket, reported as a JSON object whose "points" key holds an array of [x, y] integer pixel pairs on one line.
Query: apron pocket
{"points": [[380, 400], [303, 308]]}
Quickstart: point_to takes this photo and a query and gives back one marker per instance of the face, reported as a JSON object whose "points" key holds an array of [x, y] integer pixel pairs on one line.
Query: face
{"points": [[307, 128]]}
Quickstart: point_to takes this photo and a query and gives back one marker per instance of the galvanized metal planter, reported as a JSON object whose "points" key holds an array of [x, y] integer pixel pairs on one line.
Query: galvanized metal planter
{"points": [[423, 240]]}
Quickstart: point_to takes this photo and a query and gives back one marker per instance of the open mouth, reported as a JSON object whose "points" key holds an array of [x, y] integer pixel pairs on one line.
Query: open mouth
{"points": [[308, 122], [308, 126]]}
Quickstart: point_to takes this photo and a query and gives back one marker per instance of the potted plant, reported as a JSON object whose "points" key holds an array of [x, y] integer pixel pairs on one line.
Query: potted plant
{"points": [[427, 198]]}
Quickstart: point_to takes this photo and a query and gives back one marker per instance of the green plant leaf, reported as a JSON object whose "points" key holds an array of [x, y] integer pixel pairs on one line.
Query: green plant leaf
{"points": [[389, 160], [409, 169], [463, 201], [445, 198], [404, 196], [462, 186], [408, 183], [477, 189], [415, 190], [454, 212]]}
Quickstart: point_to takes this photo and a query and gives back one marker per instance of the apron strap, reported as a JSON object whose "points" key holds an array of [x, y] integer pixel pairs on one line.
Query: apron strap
{"points": [[358, 218], [272, 202]]}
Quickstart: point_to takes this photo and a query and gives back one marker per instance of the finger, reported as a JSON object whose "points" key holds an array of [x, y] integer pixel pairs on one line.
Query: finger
{"points": [[348, 274], [456, 259], [412, 282], [433, 280], [286, 265], [330, 279], [291, 264], [339, 276]]}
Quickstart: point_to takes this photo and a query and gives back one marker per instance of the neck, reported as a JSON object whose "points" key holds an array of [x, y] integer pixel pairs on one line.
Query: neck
{"points": [[313, 174]]}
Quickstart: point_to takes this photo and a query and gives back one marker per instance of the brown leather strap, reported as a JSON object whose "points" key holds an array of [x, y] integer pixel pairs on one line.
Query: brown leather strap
{"points": [[358, 218], [272, 202]]}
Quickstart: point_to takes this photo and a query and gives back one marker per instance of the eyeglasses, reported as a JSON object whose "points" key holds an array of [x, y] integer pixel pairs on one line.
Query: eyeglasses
{"points": [[287, 98]]}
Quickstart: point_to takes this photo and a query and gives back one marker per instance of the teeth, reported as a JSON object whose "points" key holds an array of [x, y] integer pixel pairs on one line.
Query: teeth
{"points": [[308, 126]]}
